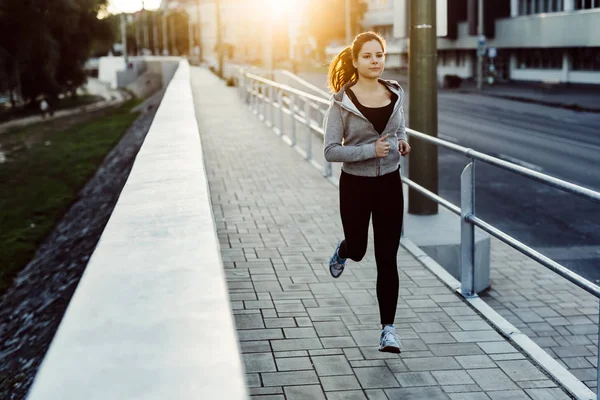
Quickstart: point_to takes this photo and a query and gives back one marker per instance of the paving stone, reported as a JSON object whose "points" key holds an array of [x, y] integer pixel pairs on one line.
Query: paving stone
{"points": [[546, 383], [259, 362], [473, 325], [289, 378], [509, 395], [396, 365], [265, 391], [293, 364], [366, 337], [280, 322], [476, 336], [248, 321], [338, 342], [331, 365], [342, 382], [452, 377], [547, 394], [475, 362], [432, 364], [375, 377], [346, 395], [461, 388], [492, 379], [456, 349], [411, 379], [312, 392], [296, 344], [367, 363], [437, 338], [326, 352], [286, 354], [571, 351], [259, 334], [255, 347], [421, 393], [299, 333], [497, 347], [376, 394], [520, 370], [325, 329], [507, 357], [469, 396], [253, 380]]}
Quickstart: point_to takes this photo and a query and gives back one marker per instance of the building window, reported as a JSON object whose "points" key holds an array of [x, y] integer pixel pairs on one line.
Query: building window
{"points": [[586, 4], [586, 59], [529, 7], [540, 59]]}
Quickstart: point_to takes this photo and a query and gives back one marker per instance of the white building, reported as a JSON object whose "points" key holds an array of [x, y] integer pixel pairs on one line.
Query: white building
{"points": [[535, 39]]}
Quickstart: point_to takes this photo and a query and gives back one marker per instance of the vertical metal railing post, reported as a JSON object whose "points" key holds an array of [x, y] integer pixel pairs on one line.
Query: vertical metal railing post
{"points": [[280, 103], [467, 231], [293, 119], [272, 106], [308, 129]]}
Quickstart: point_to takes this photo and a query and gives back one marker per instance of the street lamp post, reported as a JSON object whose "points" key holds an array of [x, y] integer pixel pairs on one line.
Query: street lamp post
{"points": [[423, 166], [480, 37]]}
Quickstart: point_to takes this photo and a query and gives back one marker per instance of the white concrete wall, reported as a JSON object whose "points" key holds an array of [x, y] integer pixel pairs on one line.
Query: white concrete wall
{"points": [[536, 74], [151, 317], [108, 68], [584, 77]]}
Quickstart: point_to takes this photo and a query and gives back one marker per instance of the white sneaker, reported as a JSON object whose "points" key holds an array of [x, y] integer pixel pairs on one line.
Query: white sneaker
{"points": [[389, 342]]}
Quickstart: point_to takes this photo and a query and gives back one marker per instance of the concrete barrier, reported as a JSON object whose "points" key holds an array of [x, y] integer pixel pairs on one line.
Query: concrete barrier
{"points": [[151, 317]]}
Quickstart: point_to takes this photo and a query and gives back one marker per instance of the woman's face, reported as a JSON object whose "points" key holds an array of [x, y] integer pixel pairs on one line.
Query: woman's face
{"points": [[370, 60]]}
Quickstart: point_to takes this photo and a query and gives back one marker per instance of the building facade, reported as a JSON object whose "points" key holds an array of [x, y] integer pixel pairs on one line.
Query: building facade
{"points": [[534, 40]]}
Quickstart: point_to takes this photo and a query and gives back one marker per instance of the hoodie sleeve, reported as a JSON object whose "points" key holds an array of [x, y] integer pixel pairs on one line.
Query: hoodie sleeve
{"points": [[334, 134], [401, 132]]}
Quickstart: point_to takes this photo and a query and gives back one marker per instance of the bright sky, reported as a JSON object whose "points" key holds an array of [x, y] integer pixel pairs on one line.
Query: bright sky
{"points": [[117, 6]]}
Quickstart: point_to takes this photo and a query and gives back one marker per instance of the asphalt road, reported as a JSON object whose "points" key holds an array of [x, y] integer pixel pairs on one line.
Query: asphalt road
{"points": [[561, 143]]}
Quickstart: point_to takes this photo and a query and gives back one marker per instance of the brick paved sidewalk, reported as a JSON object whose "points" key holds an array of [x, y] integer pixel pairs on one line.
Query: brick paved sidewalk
{"points": [[556, 314], [304, 335]]}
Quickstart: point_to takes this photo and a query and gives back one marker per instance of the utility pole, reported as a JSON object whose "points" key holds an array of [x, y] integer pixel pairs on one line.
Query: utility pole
{"points": [[199, 31], [155, 32], [348, 25], [165, 32], [124, 39], [423, 116], [219, 37], [145, 23], [480, 39]]}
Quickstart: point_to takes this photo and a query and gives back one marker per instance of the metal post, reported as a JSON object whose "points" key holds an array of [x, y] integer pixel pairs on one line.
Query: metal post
{"points": [[190, 36], [173, 39], [480, 55], [145, 24], [280, 98], [155, 32], [308, 130], [348, 26], [199, 31], [271, 106], [219, 37], [467, 231], [293, 119], [165, 32], [124, 39], [423, 166]]}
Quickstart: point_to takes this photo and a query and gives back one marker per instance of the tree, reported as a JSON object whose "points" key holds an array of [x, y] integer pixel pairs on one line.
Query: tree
{"points": [[325, 21], [48, 42]]}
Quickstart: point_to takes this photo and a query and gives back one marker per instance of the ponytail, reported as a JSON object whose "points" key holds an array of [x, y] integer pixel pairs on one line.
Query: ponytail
{"points": [[341, 70]]}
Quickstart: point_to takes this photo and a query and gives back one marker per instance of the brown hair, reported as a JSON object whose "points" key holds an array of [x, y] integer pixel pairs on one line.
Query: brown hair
{"points": [[341, 69]]}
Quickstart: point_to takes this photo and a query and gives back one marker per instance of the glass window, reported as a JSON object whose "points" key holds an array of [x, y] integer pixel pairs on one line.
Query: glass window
{"points": [[540, 59], [586, 59]]}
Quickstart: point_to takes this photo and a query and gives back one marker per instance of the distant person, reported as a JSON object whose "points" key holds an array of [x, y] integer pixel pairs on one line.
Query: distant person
{"points": [[365, 130], [44, 108]]}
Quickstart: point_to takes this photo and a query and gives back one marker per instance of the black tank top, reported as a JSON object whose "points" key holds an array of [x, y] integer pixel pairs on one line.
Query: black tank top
{"points": [[378, 116]]}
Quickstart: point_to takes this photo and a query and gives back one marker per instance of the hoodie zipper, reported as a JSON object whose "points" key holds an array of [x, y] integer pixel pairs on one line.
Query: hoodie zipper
{"points": [[359, 114]]}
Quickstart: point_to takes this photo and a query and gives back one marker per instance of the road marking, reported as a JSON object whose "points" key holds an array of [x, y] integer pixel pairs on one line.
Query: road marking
{"points": [[521, 162], [448, 138]]}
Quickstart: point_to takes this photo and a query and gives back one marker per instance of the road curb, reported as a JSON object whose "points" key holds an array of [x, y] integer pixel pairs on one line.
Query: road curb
{"points": [[572, 106], [551, 367]]}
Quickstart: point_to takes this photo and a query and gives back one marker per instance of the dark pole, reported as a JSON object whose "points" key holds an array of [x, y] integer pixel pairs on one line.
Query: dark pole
{"points": [[219, 38], [423, 162]]}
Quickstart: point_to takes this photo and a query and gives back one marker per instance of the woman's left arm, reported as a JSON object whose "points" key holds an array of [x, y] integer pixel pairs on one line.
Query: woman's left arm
{"points": [[403, 146]]}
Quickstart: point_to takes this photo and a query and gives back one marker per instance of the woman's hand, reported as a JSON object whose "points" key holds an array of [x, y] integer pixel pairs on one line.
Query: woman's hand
{"points": [[382, 147], [403, 147]]}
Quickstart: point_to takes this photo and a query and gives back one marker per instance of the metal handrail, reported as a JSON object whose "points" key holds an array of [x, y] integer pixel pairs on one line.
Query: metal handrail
{"points": [[467, 209]]}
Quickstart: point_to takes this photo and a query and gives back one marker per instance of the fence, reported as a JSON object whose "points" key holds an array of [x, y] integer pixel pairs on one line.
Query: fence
{"points": [[275, 103]]}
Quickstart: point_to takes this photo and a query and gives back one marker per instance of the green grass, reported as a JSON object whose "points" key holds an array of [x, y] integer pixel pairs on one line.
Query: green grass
{"points": [[48, 164]]}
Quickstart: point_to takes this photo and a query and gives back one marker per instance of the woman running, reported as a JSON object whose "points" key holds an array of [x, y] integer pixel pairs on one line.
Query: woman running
{"points": [[365, 130]]}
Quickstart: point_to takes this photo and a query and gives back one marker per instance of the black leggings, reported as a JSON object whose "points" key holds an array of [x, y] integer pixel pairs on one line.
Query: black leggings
{"points": [[382, 196]]}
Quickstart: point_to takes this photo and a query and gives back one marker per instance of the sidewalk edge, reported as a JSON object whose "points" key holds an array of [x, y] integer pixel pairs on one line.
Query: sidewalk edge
{"points": [[566, 106], [558, 373]]}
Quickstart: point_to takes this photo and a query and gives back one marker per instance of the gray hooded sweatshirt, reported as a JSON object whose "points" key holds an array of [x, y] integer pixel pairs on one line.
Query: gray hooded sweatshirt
{"points": [[350, 137]]}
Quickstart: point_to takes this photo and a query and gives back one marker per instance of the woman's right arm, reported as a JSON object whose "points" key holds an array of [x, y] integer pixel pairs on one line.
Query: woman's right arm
{"points": [[334, 133]]}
